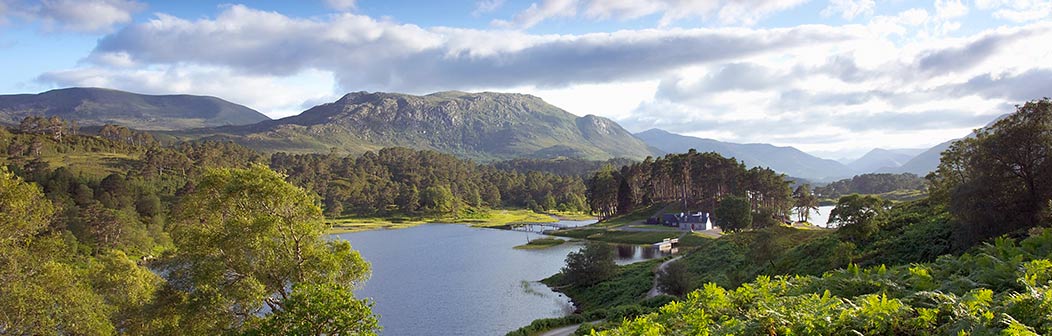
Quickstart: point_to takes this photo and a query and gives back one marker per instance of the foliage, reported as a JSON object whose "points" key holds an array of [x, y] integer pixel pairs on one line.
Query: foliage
{"points": [[401, 181], [996, 182], [42, 295], [856, 216], [804, 202], [627, 286], [325, 309], [734, 214], [592, 264], [242, 238], [1000, 287], [673, 279]]}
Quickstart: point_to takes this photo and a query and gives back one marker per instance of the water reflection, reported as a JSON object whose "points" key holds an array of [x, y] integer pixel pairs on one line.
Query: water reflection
{"points": [[627, 254], [542, 227]]}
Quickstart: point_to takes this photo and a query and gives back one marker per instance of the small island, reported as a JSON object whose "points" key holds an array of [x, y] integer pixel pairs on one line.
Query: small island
{"points": [[541, 243]]}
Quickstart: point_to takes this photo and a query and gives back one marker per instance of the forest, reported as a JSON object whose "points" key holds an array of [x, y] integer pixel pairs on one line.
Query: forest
{"points": [[696, 182]]}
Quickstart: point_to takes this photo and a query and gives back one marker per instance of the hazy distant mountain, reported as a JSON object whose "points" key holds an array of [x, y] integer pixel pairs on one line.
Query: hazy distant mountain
{"points": [[923, 163], [787, 160], [485, 126], [880, 158], [94, 106], [928, 161]]}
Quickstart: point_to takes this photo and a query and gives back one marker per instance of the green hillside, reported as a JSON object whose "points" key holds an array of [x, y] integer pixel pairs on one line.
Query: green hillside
{"points": [[97, 107]]}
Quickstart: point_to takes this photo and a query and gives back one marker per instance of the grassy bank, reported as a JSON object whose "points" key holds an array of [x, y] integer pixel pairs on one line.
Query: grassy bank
{"points": [[541, 243], [476, 217], [622, 296], [635, 217]]}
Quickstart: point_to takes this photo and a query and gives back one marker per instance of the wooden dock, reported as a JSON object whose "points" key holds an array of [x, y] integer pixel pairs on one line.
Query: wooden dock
{"points": [[667, 244]]}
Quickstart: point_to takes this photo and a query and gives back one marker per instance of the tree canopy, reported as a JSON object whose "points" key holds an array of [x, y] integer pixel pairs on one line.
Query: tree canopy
{"points": [[997, 181], [245, 239]]}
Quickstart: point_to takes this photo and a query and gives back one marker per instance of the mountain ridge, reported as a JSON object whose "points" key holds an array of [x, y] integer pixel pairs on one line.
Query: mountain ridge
{"points": [[99, 106], [784, 159], [484, 125], [878, 159]]}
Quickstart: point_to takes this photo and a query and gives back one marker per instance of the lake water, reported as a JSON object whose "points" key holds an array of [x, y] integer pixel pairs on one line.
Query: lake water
{"points": [[449, 279], [821, 218]]}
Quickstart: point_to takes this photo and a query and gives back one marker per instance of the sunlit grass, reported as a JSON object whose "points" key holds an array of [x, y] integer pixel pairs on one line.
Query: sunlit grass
{"points": [[541, 243], [474, 217]]}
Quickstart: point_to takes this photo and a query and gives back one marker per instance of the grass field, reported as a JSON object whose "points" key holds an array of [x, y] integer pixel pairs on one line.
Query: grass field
{"points": [[479, 218], [93, 164]]}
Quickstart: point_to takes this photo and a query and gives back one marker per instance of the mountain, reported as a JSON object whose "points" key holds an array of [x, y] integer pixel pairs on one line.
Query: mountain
{"points": [[94, 106], [880, 158], [786, 160], [923, 163], [484, 126], [928, 161]]}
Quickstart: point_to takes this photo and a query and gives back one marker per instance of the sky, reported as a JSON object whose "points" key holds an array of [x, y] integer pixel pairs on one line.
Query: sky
{"points": [[835, 78]]}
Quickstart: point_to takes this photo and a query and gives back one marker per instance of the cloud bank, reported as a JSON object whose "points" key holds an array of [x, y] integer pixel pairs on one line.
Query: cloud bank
{"points": [[901, 80]]}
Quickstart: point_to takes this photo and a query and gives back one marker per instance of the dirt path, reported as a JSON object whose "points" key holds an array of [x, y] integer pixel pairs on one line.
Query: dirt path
{"points": [[565, 331], [654, 289]]}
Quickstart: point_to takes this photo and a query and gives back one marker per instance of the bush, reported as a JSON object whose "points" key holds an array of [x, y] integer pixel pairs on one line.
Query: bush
{"points": [[590, 265], [673, 279]]}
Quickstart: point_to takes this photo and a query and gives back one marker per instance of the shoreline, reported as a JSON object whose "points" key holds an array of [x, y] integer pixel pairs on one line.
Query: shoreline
{"points": [[494, 218]]}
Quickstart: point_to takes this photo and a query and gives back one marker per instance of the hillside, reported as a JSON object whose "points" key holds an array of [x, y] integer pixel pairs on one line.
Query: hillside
{"points": [[786, 160], [485, 126], [95, 106]]}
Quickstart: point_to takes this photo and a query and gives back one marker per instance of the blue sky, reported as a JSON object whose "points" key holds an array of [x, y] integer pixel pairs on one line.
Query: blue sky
{"points": [[832, 77]]}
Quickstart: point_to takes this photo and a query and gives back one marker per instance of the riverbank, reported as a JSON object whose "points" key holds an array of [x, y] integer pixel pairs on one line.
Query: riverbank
{"points": [[477, 218]]}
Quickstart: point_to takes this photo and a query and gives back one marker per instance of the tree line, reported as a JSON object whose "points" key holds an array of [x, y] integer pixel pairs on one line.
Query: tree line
{"points": [[406, 181], [878, 183], [697, 182]]}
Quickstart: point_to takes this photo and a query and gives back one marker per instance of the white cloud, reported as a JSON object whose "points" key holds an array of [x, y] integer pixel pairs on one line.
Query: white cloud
{"points": [[900, 24], [727, 12], [849, 9], [538, 12], [76, 15], [341, 5], [950, 9], [1017, 10], [486, 6], [891, 82], [365, 53]]}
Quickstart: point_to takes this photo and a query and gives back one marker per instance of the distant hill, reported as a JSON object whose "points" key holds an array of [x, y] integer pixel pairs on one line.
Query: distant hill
{"points": [[786, 160], [880, 158], [484, 126], [928, 161], [923, 163], [94, 106]]}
